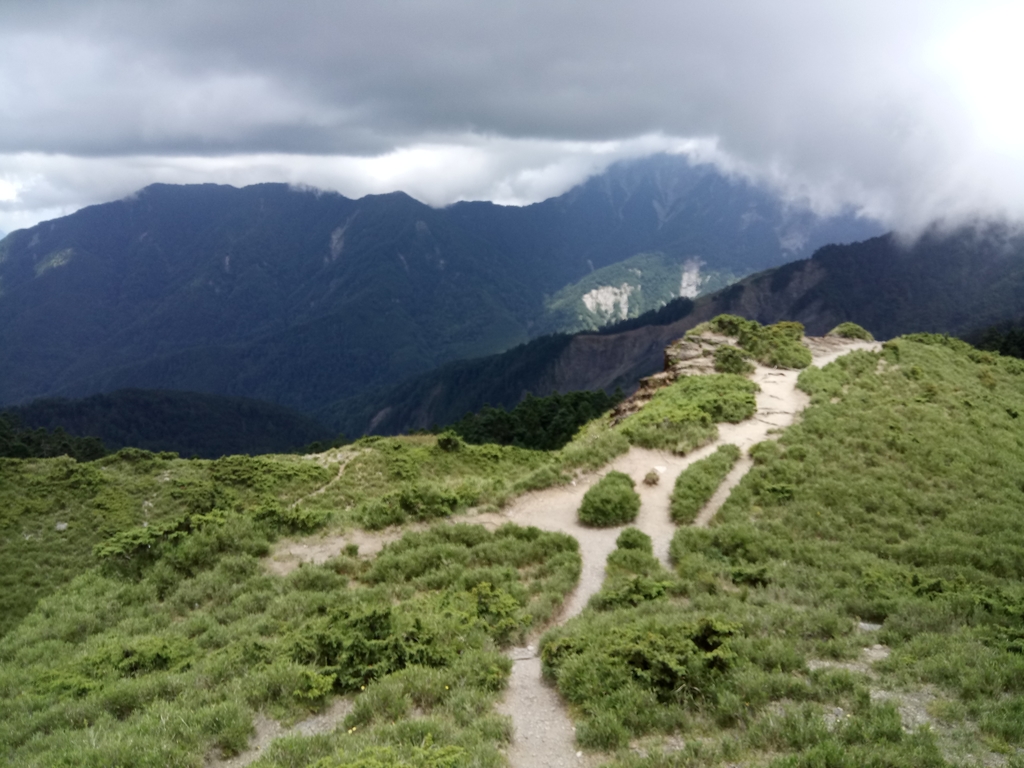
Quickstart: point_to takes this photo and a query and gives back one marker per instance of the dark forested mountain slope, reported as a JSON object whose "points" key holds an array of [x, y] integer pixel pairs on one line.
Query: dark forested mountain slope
{"points": [[660, 204], [944, 282], [265, 291], [300, 297], [191, 424]]}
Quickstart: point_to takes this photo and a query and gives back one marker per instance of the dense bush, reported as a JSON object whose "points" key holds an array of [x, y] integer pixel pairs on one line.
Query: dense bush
{"points": [[777, 346], [634, 538], [632, 574], [698, 482], [851, 331], [540, 423], [729, 359], [611, 501], [420, 501], [177, 680], [631, 672]]}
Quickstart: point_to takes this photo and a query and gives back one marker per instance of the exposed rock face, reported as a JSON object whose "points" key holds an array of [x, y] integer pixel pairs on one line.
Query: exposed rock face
{"points": [[688, 356]]}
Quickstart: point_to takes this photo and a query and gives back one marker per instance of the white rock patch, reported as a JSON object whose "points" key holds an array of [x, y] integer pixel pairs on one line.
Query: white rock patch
{"points": [[608, 301], [689, 285]]}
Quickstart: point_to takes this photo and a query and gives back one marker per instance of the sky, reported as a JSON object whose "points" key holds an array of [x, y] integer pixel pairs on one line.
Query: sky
{"points": [[910, 111]]}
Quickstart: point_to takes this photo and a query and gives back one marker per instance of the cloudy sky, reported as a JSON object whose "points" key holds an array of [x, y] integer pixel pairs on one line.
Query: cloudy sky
{"points": [[910, 110]]}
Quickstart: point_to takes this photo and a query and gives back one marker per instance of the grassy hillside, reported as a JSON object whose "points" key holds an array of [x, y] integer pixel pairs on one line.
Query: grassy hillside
{"points": [[885, 526], [142, 626]]}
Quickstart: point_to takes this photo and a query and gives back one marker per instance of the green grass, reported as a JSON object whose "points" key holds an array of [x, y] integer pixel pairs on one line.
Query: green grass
{"points": [[392, 480], [698, 482], [777, 346], [896, 499], [683, 416], [105, 672], [55, 512]]}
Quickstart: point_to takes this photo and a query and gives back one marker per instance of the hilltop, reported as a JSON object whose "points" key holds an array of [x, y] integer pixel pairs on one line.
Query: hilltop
{"points": [[849, 595]]}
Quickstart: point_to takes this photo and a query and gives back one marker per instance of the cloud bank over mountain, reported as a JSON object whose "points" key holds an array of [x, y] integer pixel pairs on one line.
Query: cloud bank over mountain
{"points": [[906, 111]]}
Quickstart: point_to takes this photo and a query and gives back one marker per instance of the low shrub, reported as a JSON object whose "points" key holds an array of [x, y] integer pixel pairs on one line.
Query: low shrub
{"points": [[697, 483], [851, 331], [611, 501], [729, 359], [634, 538], [418, 501], [631, 673], [633, 574], [777, 346], [682, 416]]}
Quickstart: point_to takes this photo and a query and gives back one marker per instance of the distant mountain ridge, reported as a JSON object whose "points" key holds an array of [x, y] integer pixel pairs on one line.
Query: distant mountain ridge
{"points": [[188, 423], [302, 298], [944, 283]]}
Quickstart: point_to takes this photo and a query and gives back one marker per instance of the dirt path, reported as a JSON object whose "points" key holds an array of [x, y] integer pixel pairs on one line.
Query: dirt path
{"points": [[544, 734]]}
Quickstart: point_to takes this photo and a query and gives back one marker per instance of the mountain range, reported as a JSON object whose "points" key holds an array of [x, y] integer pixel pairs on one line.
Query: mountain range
{"points": [[953, 282], [304, 298]]}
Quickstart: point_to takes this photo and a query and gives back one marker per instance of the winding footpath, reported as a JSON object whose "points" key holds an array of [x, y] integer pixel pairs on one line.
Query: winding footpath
{"points": [[544, 736]]}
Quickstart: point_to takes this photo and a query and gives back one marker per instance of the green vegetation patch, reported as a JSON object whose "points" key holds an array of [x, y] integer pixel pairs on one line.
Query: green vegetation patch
{"points": [[109, 672], [539, 423], [698, 482], [729, 359], [632, 574], [611, 501], [682, 416], [777, 346], [895, 501], [389, 481], [851, 331], [630, 672], [59, 517]]}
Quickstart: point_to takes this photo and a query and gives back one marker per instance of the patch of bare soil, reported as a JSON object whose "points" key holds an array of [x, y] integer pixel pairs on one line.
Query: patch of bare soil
{"points": [[288, 554], [268, 729]]}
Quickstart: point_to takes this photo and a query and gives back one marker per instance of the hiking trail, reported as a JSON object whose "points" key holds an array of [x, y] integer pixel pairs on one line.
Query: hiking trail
{"points": [[544, 736]]}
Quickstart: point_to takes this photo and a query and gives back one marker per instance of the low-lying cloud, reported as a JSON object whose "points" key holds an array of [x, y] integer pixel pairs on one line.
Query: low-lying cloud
{"points": [[908, 111]]}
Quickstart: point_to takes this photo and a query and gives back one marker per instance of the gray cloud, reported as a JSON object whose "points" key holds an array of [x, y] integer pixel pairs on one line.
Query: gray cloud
{"points": [[841, 103]]}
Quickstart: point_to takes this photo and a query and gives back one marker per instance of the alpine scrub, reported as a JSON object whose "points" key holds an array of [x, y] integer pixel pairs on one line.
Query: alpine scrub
{"points": [[107, 669], [696, 484], [683, 416]]}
